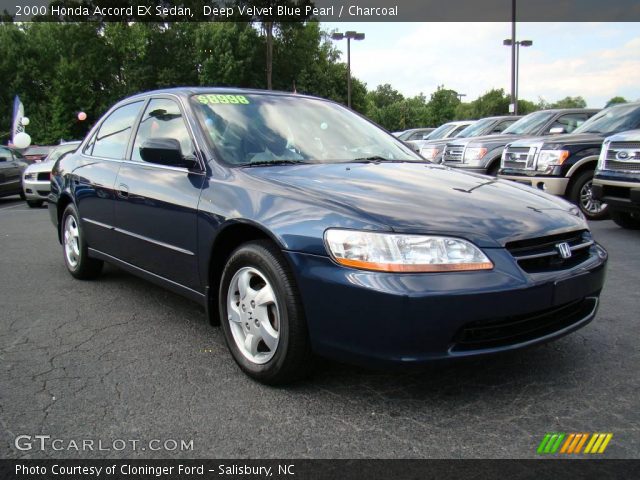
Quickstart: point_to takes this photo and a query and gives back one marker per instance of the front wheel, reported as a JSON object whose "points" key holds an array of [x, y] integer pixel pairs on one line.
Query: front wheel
{"points": [[630, 221], [262, 315], [74, 245], [581, 194]]}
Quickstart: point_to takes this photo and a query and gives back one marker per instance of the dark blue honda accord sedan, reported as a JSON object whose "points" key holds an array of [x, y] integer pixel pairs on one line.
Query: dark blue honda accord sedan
{"points": [[305, 229]]}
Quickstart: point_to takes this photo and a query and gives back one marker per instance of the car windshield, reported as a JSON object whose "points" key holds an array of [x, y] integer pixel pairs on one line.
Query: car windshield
{"points": [[476, 129], [262, 129], [530, 124], [57, 152], [441, 132], [406, 135], [612, 120]]}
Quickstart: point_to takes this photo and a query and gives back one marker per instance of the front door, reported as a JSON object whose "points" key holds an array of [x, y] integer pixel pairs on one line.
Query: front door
{"points": [[156, 206]]}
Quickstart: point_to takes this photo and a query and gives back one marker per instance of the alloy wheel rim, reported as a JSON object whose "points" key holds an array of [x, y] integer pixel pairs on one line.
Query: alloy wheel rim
{"points": [[587, 201], [71, 241], [253, 315]]}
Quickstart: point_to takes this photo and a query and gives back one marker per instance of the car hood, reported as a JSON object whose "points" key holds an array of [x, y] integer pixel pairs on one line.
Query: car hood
{"points": [[40, 167], [426, 198]]}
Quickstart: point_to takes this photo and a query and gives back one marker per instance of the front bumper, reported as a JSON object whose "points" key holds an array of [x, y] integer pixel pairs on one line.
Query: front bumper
{"points": [[552, 185], [36, 190], [381, 318], [618, 194]]}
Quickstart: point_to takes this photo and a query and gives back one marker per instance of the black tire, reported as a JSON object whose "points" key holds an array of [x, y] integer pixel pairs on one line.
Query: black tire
{"points": [[628, 220], [85, 268], [22, 195], [584, 180], [292, 359], [34, 203], [494, 167]]}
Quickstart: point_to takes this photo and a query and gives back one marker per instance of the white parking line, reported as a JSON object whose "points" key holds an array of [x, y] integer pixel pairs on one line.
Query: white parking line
{"points": [[12, 206]]}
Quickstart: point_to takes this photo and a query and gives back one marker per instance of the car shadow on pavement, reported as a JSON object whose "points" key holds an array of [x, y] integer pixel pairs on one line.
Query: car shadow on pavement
{"points": [[557, 362]]}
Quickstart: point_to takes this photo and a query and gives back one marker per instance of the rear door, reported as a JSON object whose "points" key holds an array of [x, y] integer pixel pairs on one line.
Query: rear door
{"points": [[156, 207], [94, 175]]}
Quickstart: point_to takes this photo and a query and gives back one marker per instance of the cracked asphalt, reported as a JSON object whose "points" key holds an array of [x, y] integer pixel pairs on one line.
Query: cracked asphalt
{"points": [[119, 358]]}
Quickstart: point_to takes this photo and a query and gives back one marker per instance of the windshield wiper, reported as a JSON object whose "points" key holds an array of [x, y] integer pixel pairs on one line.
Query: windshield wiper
{"points": [[263, 163], [378, 159]]}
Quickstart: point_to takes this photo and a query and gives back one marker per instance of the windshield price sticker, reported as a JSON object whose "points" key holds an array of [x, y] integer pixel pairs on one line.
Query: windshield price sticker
{"points": [[224, 99]]}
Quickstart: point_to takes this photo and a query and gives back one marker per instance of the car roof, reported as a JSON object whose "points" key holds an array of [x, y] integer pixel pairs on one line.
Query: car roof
{"points": [[189, 91]]}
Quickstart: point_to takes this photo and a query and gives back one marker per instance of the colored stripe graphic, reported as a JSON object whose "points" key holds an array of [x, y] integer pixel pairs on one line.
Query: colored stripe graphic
{"points": [[550, 443], [572, 443]]}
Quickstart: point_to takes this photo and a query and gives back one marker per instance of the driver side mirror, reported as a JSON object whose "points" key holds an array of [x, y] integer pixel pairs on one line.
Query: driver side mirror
{"points": [[165, 151], [557, 130]]}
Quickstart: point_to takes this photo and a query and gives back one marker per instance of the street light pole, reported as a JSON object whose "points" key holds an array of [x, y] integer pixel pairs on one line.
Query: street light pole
{"points": [[515, 76], [350, 35], [349, 71], [514, 98]]}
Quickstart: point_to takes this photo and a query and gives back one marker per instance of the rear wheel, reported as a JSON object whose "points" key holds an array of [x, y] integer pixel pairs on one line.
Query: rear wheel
{"points": [[626, 220], [34, 203], [581, 194], [262, 317], [74, 246]]}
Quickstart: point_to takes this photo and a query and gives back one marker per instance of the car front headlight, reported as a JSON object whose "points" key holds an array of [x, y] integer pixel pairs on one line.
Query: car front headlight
{"points": [[388, 252], [551, 158], [30, 176], [474, 154], [603, 155], [429, 153]]}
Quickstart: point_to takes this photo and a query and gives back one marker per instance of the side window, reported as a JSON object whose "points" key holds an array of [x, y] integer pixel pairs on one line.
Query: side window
{"points": [[5, 155], [458, 130], [112, 138], [569, 122], [162, 119], [502, 126]]}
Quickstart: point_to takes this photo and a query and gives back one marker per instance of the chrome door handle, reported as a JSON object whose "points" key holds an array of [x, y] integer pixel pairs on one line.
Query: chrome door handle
{"points": [[123, 191]]}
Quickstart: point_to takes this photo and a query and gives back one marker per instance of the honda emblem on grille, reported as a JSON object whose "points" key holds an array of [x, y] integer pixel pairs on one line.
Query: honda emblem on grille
{"points": [[564, 250]]}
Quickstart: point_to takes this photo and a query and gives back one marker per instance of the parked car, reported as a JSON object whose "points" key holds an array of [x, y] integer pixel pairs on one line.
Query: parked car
{"points": [[36, 180], [617, 178], [36, 153], [414, 134], [483, 154], [12, 164], [448, 130], [302, 229], [564, 164], [432, 149]]}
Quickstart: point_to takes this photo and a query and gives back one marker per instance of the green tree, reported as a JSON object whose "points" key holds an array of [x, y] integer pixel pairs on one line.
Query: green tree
{"points": [[570, 102], [615, 101], [442, 105]]}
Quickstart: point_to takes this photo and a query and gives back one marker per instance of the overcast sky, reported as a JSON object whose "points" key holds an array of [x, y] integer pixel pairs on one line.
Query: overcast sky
{"points": [[594, 60]]}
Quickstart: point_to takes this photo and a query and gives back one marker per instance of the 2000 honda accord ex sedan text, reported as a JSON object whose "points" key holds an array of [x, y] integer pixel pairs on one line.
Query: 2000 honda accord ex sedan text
{"points": [[305, 229]]}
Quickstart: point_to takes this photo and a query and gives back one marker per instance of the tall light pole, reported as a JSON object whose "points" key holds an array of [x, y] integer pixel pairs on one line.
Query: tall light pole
{"points": [[514, 99], [516, 68], [350, 35]]}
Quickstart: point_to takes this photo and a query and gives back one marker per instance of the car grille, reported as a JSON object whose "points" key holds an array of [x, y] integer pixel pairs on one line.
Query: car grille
{"points": [[629, 164], [543, 254], [453, 153], [44, 176], [519, 329], [519, 158]]}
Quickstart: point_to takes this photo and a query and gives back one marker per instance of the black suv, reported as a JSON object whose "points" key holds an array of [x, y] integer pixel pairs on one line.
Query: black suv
{"points": [[564, 165], [482, 154]]}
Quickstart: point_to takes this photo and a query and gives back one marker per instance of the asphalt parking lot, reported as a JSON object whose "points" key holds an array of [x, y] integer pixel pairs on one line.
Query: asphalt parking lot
{"points": [[119, 358]]}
